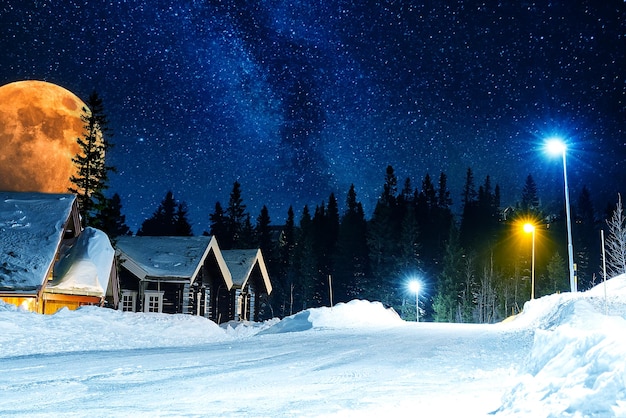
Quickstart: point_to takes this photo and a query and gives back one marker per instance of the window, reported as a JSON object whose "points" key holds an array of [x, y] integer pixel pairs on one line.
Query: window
{"points": [[129, 300], [239, 298], [153, 301], [207, 302]]}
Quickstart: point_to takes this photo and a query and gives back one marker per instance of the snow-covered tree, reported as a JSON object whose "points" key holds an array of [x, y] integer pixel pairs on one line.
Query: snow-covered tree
{"points": [[616, 241]]}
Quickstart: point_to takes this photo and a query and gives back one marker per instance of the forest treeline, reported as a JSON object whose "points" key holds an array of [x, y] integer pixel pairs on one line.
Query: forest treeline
{"points": [[475, 267]]}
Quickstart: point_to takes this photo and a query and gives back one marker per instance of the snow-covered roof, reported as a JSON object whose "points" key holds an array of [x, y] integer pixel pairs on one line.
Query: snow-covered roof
{"points": [[241, 263], [85, 269], [169, 257], [31, 229]]}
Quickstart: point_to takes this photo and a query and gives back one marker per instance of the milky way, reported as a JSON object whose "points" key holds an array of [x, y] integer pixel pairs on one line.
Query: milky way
{"points": [[296, 100]]}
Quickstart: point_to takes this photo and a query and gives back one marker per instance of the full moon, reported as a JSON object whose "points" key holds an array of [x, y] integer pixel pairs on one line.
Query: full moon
{"points": [[40, 123]]}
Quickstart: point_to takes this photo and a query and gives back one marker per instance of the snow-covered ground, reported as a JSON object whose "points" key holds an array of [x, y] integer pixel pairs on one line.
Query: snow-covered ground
{"points": [[563, 357]]}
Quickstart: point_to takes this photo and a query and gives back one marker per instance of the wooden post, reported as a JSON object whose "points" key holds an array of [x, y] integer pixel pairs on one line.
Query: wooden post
{"points": [[330, 288]]}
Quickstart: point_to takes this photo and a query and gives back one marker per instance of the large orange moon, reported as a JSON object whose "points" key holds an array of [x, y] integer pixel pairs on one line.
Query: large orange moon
{"points": [[39, 125]]}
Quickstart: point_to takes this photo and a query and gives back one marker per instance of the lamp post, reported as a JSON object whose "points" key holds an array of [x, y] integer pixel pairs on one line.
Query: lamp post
{"points": [[414, 286], [556, 146], [528, 227]]}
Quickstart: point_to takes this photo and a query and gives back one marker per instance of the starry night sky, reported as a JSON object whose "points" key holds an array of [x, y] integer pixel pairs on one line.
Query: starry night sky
{"points": [[298, 99]]}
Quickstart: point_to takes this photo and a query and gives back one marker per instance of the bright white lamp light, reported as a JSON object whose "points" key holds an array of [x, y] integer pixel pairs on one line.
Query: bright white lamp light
{"points": [[555, 146], [414, 286]]}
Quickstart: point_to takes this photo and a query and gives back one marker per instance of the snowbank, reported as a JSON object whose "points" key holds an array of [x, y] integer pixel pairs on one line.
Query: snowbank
{"points": [[354, 314], [93, 329], [576, 366]]}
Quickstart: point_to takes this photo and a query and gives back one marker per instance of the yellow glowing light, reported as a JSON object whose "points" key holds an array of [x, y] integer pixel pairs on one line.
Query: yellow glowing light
{"points": [[528, 227], [28, 305]]}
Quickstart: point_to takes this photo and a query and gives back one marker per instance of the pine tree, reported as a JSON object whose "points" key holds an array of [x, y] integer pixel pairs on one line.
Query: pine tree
{"points": [[282, 298], [318, 231], [409, 245], [263, 234], [306, 264], [530, 197], [182, 227], [428, 190], [170, 219], [219, 227], [586, 240], [441, 221], [469, 221], [236, 216], [616, 241], [390, 188], [469, 192], [248, 238], [110, 218], [382, 241], [351, 258], [93, 172], [446, 303], [443, 194], [328, 245], [557, 279]]}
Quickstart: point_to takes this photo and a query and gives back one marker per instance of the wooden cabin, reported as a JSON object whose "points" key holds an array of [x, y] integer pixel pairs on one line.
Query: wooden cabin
{"points": [[47, 262], [250, 282], [190, 275], [174, 275]]}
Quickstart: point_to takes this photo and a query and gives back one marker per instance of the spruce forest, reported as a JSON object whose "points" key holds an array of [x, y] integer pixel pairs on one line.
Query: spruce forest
{"points": [[473, 267]]}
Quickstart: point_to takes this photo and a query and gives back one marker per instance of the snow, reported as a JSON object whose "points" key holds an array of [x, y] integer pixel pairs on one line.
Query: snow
{"points": [[31, 228], [564, 356], [31, 232], [241, 263], [86, 267], [165, 256]]}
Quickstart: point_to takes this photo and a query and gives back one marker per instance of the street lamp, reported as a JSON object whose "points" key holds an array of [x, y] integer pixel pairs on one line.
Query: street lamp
{"points": [[414, 286], [528, 227], [556, 146]]}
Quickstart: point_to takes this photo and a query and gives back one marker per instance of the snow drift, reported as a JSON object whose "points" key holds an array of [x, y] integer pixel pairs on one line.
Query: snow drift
{"points": [[354, 314], [577, 363]]}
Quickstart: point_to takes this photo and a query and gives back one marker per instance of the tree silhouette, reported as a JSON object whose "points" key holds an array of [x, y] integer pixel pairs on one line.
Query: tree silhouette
{"points": [[92, 177], [170, 219], [110, 219], [236, 216], [219, 228], [530, 198]]}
